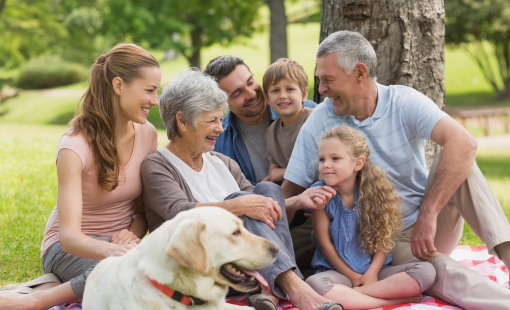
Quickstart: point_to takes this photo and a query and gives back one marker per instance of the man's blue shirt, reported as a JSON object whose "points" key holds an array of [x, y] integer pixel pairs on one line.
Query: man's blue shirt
{"points": [[231, 144]]}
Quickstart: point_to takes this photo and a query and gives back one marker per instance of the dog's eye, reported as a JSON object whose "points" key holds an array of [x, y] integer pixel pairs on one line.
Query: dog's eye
{"points": [[237, 232]]}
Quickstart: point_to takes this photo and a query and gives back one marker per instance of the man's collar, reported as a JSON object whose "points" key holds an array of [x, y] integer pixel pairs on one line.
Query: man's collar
{"points": [[178, 296]]}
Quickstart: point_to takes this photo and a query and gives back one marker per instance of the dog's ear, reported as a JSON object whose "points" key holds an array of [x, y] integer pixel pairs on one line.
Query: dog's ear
{"points": [[187, 245]]}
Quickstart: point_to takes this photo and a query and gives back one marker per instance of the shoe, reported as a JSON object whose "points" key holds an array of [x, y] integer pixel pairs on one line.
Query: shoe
{"points": [[262, 302], [330, 305], [27, 287]]}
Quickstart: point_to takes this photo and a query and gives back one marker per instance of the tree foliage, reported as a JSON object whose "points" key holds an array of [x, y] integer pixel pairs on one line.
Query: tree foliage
{"points": [[184, 25], [29, 28], [485, 25]]}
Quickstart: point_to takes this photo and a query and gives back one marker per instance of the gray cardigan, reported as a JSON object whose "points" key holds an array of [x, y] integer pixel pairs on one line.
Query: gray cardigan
{"points": [[166, 192]]}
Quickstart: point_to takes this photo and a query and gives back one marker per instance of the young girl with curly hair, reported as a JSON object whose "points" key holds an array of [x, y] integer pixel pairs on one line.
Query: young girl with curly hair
{"points": [[356, 231]]}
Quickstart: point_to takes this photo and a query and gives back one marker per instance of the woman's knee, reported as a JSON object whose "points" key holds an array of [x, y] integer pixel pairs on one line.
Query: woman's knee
{"points": [[424, 273], [269, 189]]}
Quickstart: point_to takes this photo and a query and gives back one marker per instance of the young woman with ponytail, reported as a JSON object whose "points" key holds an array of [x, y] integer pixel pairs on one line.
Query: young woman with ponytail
{"points": [[99, 211], [357, 229]]}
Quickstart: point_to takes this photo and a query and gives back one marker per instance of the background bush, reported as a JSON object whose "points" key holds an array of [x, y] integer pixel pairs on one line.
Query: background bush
{"points": [[49, 72]]}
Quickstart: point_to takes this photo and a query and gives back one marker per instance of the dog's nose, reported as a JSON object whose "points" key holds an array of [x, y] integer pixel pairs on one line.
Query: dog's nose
{"points": [[273, 248]]}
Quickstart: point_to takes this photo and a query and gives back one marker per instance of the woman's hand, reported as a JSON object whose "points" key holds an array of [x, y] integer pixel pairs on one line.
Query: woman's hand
{"points": [[317, 198], [124, 236], [257, 207], [119, 250]]}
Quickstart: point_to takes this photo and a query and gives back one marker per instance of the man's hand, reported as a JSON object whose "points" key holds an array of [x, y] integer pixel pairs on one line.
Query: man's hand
{"points": [[124, 236], [422, 238], [257, 207], [316, 198]]}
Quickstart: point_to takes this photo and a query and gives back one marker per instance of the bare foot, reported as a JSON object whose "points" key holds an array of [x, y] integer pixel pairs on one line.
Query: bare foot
{"points": [[15, 301]]}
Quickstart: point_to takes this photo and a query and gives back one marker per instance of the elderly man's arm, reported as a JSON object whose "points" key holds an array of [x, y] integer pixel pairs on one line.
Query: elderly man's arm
{"points": [[455, 164]]}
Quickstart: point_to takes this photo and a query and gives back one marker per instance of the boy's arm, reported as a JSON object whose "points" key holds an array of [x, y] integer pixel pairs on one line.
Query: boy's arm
{"points": [[275, 174], [371, 275], [321, 223]]}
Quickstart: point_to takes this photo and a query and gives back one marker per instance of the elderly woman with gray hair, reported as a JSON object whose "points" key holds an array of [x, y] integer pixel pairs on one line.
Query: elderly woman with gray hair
{"points": [[187, 173]]}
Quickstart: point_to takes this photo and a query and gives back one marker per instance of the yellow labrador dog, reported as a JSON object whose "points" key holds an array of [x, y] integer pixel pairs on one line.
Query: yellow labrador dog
{"points": [[189, 262]]}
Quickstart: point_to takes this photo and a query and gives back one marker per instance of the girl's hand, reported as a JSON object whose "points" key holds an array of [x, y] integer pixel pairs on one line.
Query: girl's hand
{"points": [[364, 280], [124, 236], [317, 198]]}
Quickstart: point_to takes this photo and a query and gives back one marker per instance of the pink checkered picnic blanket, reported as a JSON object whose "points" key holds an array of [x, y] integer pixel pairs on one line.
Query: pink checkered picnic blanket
{"points": [[474, 257]]}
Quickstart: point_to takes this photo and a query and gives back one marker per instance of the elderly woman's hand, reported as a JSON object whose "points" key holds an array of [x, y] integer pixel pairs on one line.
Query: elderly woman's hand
{"points": [[257, 207], [317, 197]]}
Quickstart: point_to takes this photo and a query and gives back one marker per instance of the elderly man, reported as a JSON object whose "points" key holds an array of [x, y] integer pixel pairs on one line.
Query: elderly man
{"points": [[244, 139], [397, 121]]}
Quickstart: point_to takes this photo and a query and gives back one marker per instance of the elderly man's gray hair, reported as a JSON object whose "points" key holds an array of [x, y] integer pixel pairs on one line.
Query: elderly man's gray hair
{"points": [[351, 48], [192, 93]]}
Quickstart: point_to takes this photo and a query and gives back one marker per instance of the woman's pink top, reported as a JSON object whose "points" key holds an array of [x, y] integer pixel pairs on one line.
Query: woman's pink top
{"points": [[103, 212]]}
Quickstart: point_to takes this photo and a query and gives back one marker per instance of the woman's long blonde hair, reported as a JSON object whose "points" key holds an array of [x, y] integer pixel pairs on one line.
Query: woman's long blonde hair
{"points": [[97, 116], [378, 203]]}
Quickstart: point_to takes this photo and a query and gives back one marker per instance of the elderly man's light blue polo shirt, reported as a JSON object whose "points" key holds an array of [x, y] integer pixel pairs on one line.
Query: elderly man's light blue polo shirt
{"points": [[397, 132]]}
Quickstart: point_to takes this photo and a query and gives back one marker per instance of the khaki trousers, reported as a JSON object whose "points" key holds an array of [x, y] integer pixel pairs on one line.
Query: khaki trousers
{"points": [[455, 283]]}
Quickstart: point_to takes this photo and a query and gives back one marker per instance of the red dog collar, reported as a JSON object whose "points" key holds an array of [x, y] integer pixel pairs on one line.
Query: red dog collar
{"points": [[175, 295]]}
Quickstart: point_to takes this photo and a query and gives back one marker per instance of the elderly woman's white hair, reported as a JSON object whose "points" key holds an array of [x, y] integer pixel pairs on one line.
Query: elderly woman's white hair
{"points": [[192, 93]]}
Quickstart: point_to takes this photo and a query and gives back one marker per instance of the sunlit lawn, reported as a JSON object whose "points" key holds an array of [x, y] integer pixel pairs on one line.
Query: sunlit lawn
{"points": [[28, 189]]}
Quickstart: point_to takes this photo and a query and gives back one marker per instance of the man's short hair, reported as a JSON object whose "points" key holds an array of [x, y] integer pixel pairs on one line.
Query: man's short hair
{"points": [[222, 66], [285, 68], [351, 48]]}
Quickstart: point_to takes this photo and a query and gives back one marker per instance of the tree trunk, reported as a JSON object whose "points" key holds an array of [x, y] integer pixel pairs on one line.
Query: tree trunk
{"points": [[278, 32], [408, 37], [2, 6], [196, 43]]}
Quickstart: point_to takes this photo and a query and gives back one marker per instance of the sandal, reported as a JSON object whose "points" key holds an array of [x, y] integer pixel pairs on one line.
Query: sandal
{"points": [[330, 305], [262, 302], [28, 287]]}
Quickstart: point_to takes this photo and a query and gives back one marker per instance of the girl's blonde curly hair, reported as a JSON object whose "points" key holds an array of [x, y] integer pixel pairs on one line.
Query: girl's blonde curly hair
{"points": [[378, 203]]}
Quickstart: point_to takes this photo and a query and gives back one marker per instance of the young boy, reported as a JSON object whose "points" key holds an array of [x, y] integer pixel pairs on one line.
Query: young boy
{"points": [[286, 88]]}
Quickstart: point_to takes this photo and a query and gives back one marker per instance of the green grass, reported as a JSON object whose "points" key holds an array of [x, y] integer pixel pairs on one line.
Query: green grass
{"points": [[28, 191]]}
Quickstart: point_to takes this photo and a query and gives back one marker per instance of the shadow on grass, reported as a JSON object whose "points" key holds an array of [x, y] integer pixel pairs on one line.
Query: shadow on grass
{"points": [[475, 99]]}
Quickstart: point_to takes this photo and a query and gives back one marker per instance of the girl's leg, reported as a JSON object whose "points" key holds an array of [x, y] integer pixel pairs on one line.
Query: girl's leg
{"points": [[352, 299], [401, 281], [399, 285], [40, 299], [335, 286]]}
